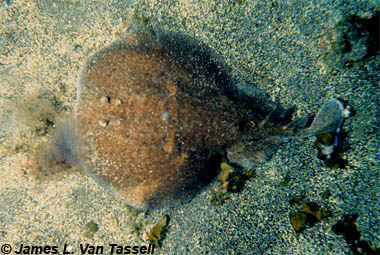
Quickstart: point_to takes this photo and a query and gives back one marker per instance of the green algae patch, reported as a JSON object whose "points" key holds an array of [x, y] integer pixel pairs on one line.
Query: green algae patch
{"points": [[313, 209], [158, 232], [299, 220], [230, 180], [307, 216], [90, 229]]}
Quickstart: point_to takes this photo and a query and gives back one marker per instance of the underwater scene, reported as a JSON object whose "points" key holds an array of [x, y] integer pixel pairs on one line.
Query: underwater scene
{"points": [[189, 127]]}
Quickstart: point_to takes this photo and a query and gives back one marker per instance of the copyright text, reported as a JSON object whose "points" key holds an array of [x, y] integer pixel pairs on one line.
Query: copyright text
{"points": [[81, 249]]}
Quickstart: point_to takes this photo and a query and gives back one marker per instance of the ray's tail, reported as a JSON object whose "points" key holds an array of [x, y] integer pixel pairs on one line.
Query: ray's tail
{"points": [[258, 149]]}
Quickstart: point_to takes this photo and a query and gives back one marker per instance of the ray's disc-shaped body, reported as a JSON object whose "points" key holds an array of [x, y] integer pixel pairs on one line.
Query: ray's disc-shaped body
{"points": [[153, 118]]}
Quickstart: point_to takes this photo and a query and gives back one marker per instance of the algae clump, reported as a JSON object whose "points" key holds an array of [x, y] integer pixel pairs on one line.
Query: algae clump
{"points": [[157, 233]]}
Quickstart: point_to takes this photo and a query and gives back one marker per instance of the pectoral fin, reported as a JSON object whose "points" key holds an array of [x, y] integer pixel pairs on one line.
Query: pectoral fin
{"points": [[248, 153]]}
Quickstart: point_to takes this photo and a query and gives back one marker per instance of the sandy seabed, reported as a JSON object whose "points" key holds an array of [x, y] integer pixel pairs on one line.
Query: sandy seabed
{"points": [[284, 48]]}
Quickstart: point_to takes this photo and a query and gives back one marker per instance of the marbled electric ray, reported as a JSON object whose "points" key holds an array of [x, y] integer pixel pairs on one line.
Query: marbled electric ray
{"points": [[157, 112]]}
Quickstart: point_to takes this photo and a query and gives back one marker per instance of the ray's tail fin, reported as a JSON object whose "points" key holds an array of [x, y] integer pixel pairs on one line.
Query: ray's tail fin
{"points": [[328, 119], [259, 149]]}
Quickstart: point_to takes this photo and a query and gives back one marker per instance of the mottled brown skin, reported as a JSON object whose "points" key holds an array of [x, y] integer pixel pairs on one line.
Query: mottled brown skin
{"points": [[153, 124]]}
